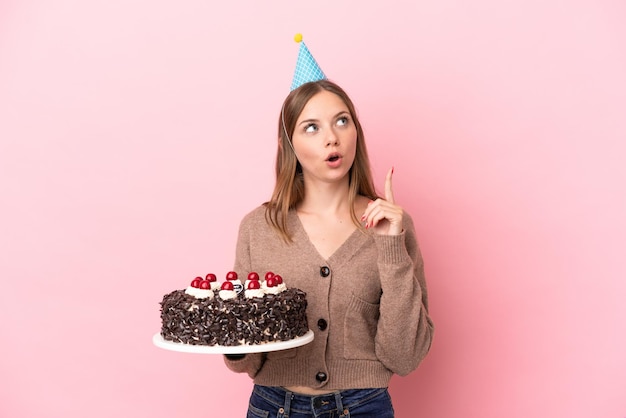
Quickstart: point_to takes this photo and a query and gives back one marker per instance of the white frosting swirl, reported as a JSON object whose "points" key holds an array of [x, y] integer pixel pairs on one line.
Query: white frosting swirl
{"points": [[199, 293], [271, 290], [228, 294], [254, 293], [215, 286]]}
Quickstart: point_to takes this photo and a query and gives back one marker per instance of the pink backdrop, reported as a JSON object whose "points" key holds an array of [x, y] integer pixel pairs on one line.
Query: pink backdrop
{"points": [[135, 134]]}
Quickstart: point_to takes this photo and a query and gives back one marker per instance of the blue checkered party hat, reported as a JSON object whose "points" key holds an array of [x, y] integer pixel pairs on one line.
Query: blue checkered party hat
{"points": [[307, 68]]}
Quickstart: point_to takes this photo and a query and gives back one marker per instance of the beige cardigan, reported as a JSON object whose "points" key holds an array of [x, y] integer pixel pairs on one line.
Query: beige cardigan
{"points": [[373, 301]]}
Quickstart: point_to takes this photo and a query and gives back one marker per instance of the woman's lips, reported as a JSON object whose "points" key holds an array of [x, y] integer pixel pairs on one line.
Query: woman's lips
{"points": [[333, 157], [334, 160]]}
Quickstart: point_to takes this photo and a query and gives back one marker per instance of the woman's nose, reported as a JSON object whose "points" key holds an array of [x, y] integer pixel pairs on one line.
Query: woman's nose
{"points": [[332, 138]]}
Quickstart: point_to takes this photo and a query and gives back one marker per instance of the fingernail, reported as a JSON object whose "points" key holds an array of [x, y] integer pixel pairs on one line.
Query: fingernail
{"points": [[362, 218], [370, 202], [392, 168]]}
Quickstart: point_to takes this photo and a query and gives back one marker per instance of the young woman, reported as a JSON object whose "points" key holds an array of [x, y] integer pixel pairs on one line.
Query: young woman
{"points": [[355, 254]]}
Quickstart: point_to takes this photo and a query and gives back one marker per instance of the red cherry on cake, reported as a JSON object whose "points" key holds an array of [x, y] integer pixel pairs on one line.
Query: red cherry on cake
{"points": [[227, 286], [205, 284], [196, 282], [211, 277], [253, 276], [268, 275], [271, 282], [278, 279], [254, 284], [231, 275]]}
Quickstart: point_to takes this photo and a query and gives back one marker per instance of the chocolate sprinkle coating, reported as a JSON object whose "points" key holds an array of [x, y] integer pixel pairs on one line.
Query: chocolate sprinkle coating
{"points": [[239, 321]]}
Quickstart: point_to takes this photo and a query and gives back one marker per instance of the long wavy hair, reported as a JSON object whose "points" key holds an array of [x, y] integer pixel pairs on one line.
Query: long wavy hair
{"points": [[289, 187]]}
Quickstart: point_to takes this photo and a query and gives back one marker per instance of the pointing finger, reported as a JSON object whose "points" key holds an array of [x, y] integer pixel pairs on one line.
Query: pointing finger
{"points": [[388, 188]]}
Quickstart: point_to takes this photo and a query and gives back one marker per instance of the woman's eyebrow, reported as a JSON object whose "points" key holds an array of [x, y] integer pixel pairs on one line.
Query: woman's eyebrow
{"points": [[342, 112], [308, 121]]}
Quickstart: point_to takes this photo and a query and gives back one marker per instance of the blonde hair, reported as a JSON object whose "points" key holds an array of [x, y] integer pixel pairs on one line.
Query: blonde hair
{"points": [[289, 187]]}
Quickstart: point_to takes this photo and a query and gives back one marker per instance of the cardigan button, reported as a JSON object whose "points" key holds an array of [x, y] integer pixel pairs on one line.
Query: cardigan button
{"points": [[321, 377], [322, 324], [324, 271]]}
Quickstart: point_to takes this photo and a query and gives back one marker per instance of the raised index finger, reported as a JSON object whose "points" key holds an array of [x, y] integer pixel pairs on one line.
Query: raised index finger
{"points": [[388, 188]]}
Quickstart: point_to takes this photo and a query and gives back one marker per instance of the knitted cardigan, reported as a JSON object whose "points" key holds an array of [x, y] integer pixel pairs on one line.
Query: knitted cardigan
{"points": [[372, 301]]}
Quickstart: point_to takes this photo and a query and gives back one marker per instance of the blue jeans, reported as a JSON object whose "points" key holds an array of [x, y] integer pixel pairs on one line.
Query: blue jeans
{"points": [[276, 402]]}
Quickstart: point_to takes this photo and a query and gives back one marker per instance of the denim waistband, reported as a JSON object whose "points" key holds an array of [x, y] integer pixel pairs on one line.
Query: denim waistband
{"points": [[340, 401]]}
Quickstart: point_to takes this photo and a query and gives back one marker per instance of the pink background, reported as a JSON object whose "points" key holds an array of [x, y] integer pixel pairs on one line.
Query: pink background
{"points": [[135, 134]]}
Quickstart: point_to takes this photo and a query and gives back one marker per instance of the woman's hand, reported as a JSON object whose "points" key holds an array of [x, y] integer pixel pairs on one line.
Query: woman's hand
{"points": [[383, 216]]}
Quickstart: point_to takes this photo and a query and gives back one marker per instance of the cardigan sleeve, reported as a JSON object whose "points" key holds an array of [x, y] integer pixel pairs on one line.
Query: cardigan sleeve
{"points": [[405, 330], [249, 363]]}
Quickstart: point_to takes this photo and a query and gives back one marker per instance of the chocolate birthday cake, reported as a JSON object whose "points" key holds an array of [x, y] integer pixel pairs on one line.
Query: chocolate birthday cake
{"points": [[234, 313]]}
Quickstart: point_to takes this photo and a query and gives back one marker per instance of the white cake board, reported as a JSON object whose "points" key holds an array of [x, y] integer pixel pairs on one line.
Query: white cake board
{"points": [[237, 349]]}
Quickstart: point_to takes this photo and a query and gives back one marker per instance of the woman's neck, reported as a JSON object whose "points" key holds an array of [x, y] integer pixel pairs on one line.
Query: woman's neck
{"points": [[326, 198]]}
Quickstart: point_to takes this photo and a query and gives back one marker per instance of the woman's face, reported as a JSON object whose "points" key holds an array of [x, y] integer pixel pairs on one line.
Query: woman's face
{"points": [[325, 138]]}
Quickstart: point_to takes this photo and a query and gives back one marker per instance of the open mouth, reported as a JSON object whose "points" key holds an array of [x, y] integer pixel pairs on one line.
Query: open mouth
{"points": [[333, 157]]}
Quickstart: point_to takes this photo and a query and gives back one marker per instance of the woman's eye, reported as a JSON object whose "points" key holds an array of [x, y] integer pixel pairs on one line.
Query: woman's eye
{"points": [[311, 127], [342, 121]]}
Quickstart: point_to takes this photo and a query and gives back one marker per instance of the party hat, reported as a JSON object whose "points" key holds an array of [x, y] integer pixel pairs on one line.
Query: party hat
{"points": [[307, 68]]}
